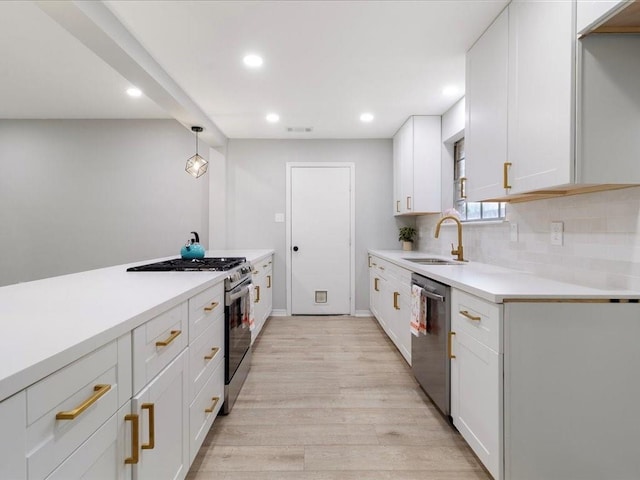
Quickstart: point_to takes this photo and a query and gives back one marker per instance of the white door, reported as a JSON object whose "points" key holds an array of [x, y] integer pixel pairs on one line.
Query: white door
{"points": [[320, 240]]}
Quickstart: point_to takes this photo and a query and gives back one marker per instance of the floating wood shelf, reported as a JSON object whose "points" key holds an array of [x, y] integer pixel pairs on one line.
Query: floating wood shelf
{"points": [[626, 20]]}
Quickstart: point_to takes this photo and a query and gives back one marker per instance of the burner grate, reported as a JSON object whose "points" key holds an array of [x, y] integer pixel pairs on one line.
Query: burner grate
{"points": [[207, 264]]}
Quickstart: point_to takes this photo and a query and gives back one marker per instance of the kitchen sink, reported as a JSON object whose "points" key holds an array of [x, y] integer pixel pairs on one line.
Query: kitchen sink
{"points": [[433, 261]]}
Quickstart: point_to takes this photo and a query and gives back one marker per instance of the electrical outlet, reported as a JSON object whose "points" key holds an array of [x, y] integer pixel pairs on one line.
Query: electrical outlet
{"points": [[279, 217], [557, 233], [513, 232]]}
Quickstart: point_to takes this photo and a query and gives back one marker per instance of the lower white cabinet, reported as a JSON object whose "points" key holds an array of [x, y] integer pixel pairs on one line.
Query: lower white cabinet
{"points": [[390, 302], [13, 416], [162, 407], [204, 408], [476, 377], [262, 293]]}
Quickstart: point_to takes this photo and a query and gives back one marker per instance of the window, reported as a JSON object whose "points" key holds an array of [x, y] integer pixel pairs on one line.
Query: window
{"points": [[470, 211]]}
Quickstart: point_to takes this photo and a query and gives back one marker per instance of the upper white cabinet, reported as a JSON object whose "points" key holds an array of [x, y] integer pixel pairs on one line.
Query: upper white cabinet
{"points": [[571, 117], [486, 111], [417, 166]]}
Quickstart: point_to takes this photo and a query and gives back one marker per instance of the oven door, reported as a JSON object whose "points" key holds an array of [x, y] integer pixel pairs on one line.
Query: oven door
{"points": [[237, 334]]}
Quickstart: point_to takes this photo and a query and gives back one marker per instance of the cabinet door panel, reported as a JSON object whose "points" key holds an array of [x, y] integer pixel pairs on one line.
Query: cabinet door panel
{"points": [[476, 401], [486, 112], [168, 393], [13, 418], [541, 86]]}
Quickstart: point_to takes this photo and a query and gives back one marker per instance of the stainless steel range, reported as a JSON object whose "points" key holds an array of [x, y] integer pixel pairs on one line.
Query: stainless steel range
{"points": [[237, 303]]}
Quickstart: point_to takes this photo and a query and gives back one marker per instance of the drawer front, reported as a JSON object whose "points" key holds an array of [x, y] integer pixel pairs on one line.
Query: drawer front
{"points": [[157, 343], [477, 318], [67, 407], [204, 308], [204, 409], [205, 353], [13, 416]]}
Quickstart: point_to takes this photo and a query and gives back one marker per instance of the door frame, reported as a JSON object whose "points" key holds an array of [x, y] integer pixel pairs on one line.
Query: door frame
{"points": [[352, 226]]}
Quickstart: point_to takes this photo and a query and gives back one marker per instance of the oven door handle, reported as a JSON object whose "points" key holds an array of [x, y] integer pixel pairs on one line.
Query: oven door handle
{"points": [[231, 296], [433, 296]]}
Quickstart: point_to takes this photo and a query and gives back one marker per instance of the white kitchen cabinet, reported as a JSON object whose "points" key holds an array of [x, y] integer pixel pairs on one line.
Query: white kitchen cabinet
{"points": [[486, 111], [13, 418], [204, 309], [476, 377], [163, 409], [417, 166], [390, 302], [262, 293]]}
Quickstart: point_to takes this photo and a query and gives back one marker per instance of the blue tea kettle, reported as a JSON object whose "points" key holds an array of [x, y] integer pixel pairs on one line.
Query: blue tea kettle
{"points": [[192, 249]]}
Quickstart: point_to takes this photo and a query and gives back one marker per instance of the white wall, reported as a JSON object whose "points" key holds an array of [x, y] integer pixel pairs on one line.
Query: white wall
{"points": [[601, 239], [82, 194], [256, 182]]}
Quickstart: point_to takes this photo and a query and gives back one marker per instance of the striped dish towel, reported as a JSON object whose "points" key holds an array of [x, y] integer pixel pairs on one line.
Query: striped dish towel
{"points": [[416, 309]]}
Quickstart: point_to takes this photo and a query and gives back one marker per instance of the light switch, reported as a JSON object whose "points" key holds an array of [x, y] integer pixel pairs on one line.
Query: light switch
{"points": [[513, 232], [557, 233], [279, 217]]}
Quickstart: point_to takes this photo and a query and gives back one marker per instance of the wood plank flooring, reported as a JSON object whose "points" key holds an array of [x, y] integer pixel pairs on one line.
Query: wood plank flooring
{"points": [[330, 398]]}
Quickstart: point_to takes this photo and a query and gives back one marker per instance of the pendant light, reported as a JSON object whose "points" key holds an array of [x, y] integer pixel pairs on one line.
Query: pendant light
{"points": [[196, 165]]}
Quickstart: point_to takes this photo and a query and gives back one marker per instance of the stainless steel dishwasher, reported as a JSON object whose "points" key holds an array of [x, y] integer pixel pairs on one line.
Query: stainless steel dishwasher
{"points": [[430, 351]]}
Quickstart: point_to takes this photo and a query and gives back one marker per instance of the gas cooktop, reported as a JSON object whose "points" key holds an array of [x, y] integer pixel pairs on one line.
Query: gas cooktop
{"points": [[210, 264]]}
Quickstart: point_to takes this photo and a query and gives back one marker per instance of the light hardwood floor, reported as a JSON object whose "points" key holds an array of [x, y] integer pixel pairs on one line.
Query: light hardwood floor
{"points": [[330, 398]]}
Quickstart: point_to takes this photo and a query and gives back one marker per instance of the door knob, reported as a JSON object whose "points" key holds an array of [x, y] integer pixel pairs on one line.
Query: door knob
{"points": [[295, 249]]}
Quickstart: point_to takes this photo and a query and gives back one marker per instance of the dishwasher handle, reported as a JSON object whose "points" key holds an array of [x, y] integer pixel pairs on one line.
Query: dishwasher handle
{"points": [[431, 295]]}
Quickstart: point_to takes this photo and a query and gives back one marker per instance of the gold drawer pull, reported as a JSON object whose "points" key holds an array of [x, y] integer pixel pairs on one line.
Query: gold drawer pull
{"points": [[172, 337], [451, 355], [268, 281], [397, 206], [465, 313], [255, 272], [265, 266], [463, 187], [99, 390], [396, 295], [211, 307], [381, 268], [257, 300], [213, 406], [152, 426], [375, 284], [408, 203], [505, 175], [214, 350], [135, 431]]}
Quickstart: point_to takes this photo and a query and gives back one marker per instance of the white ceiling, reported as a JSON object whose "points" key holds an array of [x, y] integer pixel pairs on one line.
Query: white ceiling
{"points": [[325, 62]]}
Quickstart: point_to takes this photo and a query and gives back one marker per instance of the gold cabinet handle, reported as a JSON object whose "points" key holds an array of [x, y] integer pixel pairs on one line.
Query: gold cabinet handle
{"points": [[257, 294], [135, 432], [505, 175], [408, 203], [396, 295], [397, 206], [172, 337], [369, 262], [465, 313], [210, 307], [463, 187], [451, 355], [152, 426], [213, 406], [381, 268], [214, 350], [265, 265], [268, 281], [375, 284], [99, 390], [255, 272]]}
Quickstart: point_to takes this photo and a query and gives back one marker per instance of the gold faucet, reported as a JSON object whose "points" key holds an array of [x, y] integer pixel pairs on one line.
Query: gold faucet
{"points": [[459, 250]]}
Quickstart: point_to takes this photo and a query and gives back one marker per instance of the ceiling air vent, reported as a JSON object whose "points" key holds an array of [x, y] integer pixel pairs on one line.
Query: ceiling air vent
{"points": [[299, 129]]}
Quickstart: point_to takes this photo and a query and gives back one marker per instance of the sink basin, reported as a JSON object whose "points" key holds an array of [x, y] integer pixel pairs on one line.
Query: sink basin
{"points": [[433, 261]]}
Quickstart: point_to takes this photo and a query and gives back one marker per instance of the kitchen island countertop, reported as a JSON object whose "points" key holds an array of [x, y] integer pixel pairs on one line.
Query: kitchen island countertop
{"points": [[498, 284], [49, 323]]}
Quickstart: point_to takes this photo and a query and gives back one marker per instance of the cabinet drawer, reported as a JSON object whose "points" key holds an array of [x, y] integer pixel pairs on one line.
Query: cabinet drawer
{"points": [[67, 407], [477, 318], [204, 308], [13, 416], [157, 343], [205, 353], [204, 409]]}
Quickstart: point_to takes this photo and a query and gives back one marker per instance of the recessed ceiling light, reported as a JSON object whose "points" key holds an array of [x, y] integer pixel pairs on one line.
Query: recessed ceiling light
{"points": [[273, 117], [366, 117], [134, 92], [252, 61], [450, 91]]}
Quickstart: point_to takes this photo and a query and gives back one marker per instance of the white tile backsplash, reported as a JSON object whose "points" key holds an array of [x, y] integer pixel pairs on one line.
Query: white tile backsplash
{"points": [[601, 239]]}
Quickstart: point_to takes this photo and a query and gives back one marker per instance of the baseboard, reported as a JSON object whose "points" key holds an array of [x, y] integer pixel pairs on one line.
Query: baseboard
{"points": [[278, 313], [363, 313]]}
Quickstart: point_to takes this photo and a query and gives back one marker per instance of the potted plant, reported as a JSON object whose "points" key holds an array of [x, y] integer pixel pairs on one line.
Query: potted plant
{"points": [[406, 237]]}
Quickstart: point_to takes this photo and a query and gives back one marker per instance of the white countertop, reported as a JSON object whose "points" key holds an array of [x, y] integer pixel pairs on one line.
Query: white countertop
{"points": [[497, 284], [46, 324]]}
